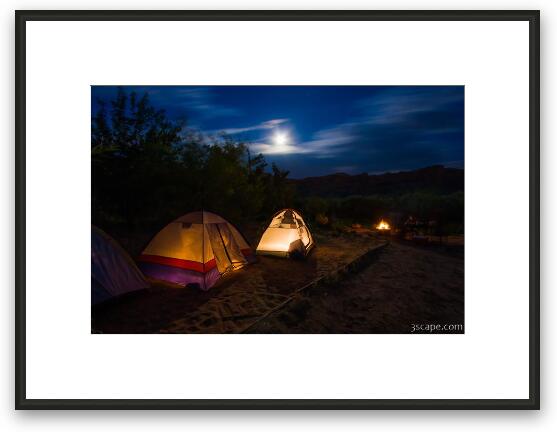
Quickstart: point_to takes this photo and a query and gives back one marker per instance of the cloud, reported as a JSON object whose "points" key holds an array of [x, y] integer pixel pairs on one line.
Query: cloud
{"points": [[324, 143], [404, 104], [400, 124], [272, 149], [198, 100], [328, 142], [201, 99], [398, 129], [269, 124]]}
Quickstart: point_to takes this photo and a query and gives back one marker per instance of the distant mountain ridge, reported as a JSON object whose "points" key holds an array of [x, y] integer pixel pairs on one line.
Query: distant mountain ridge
{"points": [[435, 178]]}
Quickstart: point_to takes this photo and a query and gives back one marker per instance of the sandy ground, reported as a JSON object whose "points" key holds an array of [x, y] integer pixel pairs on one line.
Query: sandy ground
{"points": [[403, 287], [406, 289], [235, 302]]}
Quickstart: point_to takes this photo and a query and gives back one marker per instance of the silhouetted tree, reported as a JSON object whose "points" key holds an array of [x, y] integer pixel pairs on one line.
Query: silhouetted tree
{"points": [[148, 169]]}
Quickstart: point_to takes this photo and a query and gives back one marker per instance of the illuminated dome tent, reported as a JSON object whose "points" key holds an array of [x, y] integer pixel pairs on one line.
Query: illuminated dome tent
{"points": [[113, 272], [195, 249], [286, 236]]}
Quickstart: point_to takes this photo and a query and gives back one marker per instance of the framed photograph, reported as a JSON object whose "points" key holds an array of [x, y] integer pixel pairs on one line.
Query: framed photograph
{"points": [[277, 210]]}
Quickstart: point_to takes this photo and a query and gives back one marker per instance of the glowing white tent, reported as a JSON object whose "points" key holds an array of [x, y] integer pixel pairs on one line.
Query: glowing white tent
{"points": [[286, 236]]}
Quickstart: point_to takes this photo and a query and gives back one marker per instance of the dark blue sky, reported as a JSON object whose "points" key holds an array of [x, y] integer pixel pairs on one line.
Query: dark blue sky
{"points": [[318, 130]]}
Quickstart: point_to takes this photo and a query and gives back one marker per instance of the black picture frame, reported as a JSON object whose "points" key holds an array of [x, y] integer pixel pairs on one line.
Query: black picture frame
{"points": [[531, 16]]}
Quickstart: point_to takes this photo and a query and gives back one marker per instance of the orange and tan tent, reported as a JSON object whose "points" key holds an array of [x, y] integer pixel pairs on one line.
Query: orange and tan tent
{"points": [[286, 236], [195, 249]]}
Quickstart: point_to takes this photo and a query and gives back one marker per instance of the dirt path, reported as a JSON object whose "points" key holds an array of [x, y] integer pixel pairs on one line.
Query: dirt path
{"points": [[405, 285]]}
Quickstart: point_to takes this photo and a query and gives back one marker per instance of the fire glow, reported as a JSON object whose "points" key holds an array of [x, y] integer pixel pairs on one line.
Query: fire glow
{"points": [[383, 226]]}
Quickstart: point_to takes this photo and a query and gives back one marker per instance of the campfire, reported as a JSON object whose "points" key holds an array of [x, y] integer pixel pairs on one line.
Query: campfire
{"points": [[383, 226]]}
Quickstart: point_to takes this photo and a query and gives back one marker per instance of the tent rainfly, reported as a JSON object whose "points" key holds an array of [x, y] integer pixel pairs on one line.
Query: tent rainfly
{"points": [[195, 249], [113, 272], [286, 236]]}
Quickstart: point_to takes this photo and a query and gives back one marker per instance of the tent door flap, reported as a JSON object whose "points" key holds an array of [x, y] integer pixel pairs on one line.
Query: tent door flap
{"points": [[228, 255]]}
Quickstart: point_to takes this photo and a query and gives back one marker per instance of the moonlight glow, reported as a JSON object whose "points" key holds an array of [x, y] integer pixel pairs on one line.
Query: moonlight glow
{"points": [[280, 139]]}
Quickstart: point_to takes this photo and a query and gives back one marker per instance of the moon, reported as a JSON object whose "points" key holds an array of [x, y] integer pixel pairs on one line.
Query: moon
{"points": [[280, 139]]}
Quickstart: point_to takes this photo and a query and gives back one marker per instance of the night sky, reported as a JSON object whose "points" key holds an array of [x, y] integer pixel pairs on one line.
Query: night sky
{"points": [[319, 130]]}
